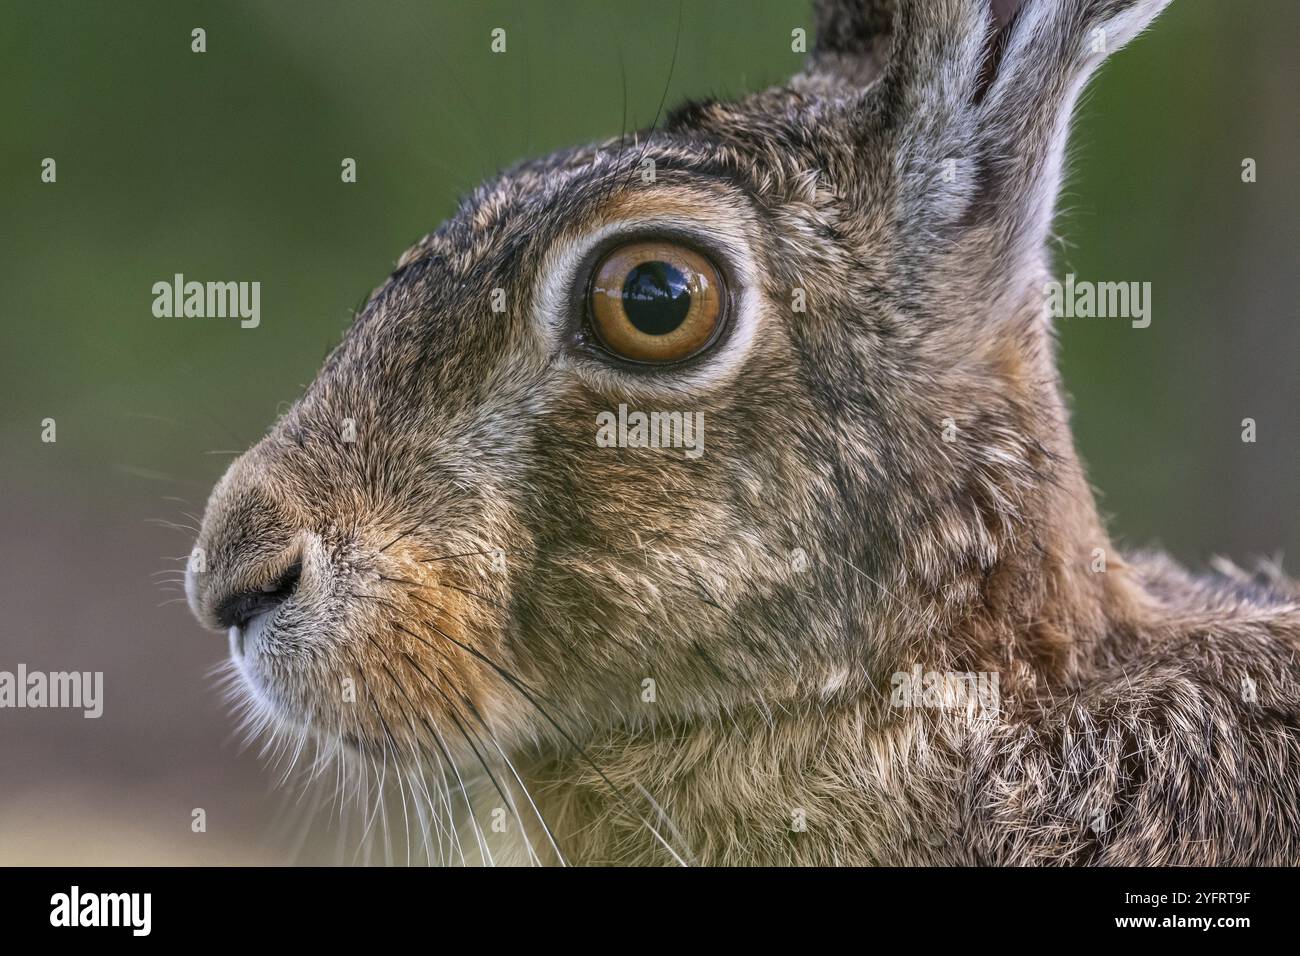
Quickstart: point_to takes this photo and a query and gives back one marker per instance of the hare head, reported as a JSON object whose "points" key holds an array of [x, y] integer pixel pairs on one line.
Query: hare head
{"points": [[748, 409]]}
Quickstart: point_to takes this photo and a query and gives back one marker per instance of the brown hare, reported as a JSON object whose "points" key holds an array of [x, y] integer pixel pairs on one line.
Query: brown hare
{"points": [[709, 498]]}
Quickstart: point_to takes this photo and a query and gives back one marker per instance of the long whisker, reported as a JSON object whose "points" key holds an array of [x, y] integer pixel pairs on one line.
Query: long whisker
{"points": [[505, 795], [403, 692], [404, 534], [672, 67], [469, 739], [439, 610], [529, 696], [537, 812], [473, 554], [614, 788], [469, 804]]}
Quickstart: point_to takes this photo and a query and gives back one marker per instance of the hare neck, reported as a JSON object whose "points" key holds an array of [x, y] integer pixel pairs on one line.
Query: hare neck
{"points": [[1049, 590], [818, 785]]}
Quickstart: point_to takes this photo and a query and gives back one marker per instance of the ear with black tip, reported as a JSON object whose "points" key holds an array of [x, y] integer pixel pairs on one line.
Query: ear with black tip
{"points": [[853, 40], [851, 43], [1052, 50], [970, 109]]}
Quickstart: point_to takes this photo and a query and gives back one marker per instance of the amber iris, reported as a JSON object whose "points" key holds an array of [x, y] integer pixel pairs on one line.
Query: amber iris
{"points": [[655, 302]]}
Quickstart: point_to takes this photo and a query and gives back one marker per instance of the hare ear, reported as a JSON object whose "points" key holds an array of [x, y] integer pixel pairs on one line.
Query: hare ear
{"points": [[852, 41], [1052, 49], [853, 38], [972, 106]]}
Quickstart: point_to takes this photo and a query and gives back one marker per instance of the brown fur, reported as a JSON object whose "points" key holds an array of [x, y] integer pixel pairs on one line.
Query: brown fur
{"points": [[828, 540]]}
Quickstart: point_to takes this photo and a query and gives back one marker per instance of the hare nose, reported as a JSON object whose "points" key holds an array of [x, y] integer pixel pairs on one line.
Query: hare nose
{"points": [[238, 607], [249, 557], [235, 587]]}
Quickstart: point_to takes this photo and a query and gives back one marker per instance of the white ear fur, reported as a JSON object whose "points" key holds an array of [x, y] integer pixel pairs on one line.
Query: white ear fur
{"points": [[1054, 48], [984, 88]]}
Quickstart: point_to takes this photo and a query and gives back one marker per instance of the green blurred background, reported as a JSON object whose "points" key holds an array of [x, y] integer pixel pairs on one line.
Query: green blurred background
{"points": [[225, 165]]}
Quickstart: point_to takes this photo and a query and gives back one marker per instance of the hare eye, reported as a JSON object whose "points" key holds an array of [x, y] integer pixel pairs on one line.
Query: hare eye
{"points": [[655, 302]]}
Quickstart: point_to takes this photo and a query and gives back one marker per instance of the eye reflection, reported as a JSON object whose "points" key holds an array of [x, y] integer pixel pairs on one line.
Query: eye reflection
{"points": [[655, 302], [656, 297]]}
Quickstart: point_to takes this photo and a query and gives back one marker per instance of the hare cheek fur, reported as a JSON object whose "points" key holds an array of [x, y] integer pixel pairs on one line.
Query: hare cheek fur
{"points": [[828, 539]]}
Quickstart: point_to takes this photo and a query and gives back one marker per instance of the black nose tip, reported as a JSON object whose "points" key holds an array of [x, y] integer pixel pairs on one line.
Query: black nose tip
{"points": [[236, 610]]}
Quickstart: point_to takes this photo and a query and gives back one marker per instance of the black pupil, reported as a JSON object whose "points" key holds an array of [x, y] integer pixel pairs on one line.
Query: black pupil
{"points": [[656, 297]]}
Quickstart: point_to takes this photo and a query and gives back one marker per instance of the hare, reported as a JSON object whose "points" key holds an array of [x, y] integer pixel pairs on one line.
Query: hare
{"points": [[876, 621]]}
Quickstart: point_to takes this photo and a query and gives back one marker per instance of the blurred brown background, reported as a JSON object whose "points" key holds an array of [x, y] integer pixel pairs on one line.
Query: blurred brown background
{"points": [[226, 165]]}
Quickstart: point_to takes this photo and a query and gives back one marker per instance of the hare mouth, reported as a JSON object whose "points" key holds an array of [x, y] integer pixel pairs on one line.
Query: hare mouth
{"points": [[246, 637], [258, 680]]}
